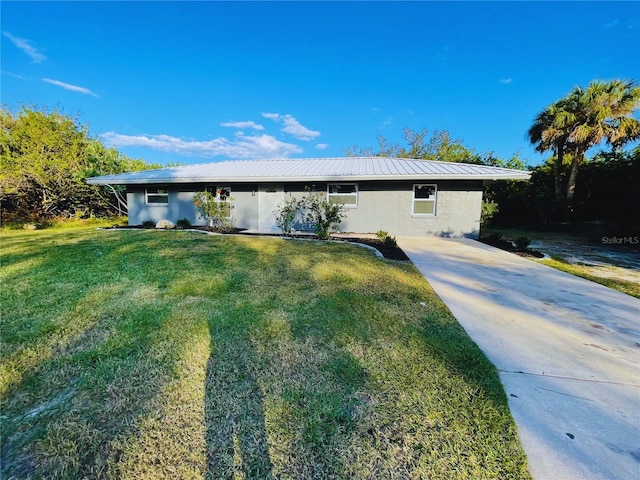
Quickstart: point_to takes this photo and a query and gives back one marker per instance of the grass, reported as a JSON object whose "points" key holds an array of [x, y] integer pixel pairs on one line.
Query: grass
{"points": [[619, 284], [164, 354]]}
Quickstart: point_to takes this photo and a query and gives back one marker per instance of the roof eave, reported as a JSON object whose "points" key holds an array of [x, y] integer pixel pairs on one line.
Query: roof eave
{"points": [[324, 178]]}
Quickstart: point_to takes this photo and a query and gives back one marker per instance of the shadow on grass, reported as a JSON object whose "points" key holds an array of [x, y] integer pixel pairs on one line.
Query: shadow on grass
{"points": [[236, 437], [94, 357], [284, 393]]}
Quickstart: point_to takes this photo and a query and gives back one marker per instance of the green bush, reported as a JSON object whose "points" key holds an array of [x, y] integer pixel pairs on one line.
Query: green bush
{"points": [[322, 214], [149, 224], [286, 215], [386, 239], [315, 209], [522, 242], [390, 241], [382, 235], [215, 208], [183, 223]]}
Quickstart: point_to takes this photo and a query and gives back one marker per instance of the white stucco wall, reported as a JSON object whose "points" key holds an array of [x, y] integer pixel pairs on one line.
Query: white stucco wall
{"points": [[381, 206]]}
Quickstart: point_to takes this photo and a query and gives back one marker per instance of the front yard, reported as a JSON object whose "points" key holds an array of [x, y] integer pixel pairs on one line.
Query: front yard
{"points": [[164, 354]]}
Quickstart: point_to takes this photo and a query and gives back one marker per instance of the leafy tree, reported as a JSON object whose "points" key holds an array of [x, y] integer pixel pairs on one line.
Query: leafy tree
{"points": [[45, 156], [216, 208], [439, 146]]}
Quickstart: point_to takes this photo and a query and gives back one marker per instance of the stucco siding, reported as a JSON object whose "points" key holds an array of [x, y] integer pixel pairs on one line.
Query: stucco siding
{"points": [[180, 205], [388, 207], [385, 205]]}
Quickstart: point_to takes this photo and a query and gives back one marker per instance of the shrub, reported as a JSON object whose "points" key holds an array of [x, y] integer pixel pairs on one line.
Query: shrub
{"points": [[226, 225], [386, 239], [382, 235], [286, 215], [214, 208], [488, 210], [183, 223], [522, 242], [390, 241], [322, 214], [315, 209], [149, 224]]}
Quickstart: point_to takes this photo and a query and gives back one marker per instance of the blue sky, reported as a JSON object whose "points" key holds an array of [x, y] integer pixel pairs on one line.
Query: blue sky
{"points": [[207, 81]]}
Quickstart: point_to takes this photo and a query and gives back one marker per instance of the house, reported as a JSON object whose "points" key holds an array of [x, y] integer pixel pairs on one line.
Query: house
{"points": [[401, 196]]}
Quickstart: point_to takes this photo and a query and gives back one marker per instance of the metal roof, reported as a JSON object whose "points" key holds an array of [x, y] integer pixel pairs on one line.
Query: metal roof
{"points": [[314, 169]]}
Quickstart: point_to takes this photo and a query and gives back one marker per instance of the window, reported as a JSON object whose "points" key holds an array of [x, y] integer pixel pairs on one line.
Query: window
{"points": [[344, 193], [157, 195], [221, 193], [424, 200]]}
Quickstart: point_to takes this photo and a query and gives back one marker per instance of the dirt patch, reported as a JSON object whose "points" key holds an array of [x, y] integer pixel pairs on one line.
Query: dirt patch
{"points": [[602, 258]]}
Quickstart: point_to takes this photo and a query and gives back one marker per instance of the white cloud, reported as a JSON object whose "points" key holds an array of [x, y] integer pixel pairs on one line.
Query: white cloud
{"points": [[15, 75], [68, 86], [248, 124], [322, 146], [505, 81], [259, 146], [272, 116], [293, 127], [26, 47]]}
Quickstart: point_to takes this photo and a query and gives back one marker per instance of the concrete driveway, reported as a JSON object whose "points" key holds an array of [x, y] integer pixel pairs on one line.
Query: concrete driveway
{"points": [[567, 351]]}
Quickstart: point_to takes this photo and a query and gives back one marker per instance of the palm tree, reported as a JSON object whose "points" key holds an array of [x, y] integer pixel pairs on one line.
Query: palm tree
{"points": [[585, 118], [603, 112], [546, 135]]}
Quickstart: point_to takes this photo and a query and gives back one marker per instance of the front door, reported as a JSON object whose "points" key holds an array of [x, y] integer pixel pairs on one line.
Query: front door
{"points": [[270, 197]]}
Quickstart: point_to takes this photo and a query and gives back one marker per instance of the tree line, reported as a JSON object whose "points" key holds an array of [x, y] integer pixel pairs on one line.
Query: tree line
{"points": [[45, 157], [569, 189]]}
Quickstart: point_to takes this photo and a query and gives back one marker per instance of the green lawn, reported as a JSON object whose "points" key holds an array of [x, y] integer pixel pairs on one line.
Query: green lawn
{"points": [[619, 284], [164, 354]]}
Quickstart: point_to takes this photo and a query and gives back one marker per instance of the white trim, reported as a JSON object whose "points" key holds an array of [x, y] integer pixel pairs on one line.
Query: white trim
{"points": [[156, 204], [433, 200], [355, 194]]}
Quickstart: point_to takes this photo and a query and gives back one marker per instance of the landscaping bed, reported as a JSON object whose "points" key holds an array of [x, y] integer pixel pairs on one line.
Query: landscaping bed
{"points": [[389, 250]]}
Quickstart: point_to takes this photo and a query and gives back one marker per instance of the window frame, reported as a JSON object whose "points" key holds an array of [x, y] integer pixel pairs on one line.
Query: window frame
{"points": [[433, 200], [356, 194], [213, 189], [148, 194]]}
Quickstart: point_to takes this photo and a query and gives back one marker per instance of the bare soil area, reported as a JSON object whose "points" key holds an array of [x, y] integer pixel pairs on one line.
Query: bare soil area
{"points": [[610, 257]]}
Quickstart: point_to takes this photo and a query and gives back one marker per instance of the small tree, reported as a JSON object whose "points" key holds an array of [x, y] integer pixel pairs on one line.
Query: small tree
{"points": [[286, 215], [321, 213], [216, 210], [313, 208]]}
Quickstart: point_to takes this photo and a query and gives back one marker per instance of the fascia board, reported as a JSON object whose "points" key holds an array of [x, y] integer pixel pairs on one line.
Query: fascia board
{"points": [[359, 178]]}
